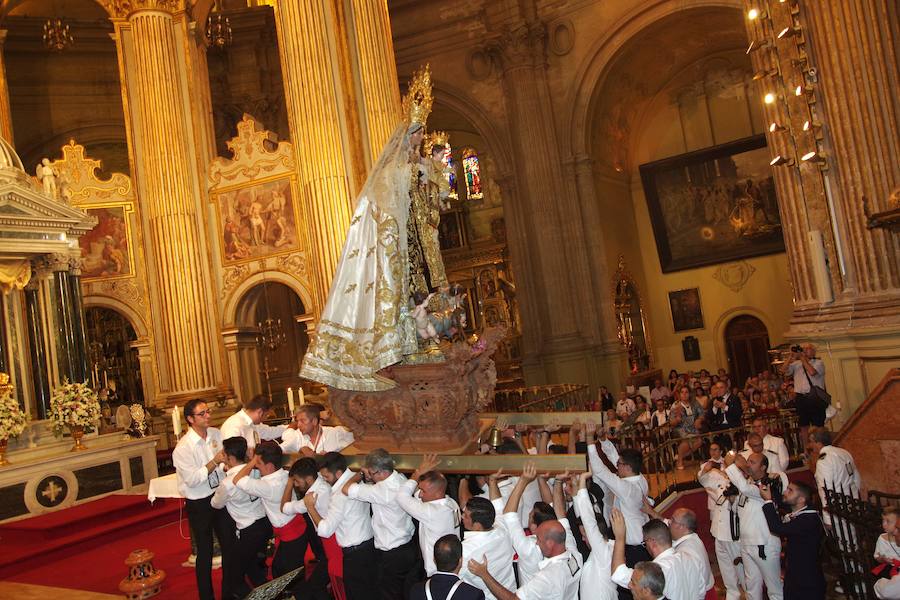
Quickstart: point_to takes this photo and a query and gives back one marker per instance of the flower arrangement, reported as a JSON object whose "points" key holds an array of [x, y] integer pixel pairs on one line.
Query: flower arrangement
{"points": [[74, 405], [12, 419]]}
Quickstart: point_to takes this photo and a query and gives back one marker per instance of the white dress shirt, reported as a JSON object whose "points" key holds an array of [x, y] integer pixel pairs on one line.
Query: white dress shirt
{"points": [[392, 525], [496, 545], [269, 489], [436, 519], [241, 425], [801, 383], [836, 469], [629, 492], [596, 583], [675, 571], [322, 491], [661, 417], [889, 589], [694, 552], [775, 450], [190, 458], [243, 508], [754, 527], [348, 519], [530, 495], [715, 482], [557, 579], [328, 439], [526, 547]]}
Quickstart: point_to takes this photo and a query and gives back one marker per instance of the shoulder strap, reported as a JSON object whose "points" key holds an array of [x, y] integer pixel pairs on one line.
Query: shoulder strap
{"points": [[453, 589], [428, 590]]}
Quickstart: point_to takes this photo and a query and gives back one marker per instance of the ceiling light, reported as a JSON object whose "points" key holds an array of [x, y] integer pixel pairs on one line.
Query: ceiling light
{"points": [[812, 157], [755, 13], [770, 98], [775, 128]]}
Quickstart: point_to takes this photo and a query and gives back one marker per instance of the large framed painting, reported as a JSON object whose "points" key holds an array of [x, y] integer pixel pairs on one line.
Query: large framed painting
{"points": [[258, 220], [714, 205], [687, 313], [106, 249]]}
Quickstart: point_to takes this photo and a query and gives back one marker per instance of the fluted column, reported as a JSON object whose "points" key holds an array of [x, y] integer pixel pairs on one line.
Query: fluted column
{"points": [[311, 67], [376, 74], [152, 45], [6, 127], [857, 51]]}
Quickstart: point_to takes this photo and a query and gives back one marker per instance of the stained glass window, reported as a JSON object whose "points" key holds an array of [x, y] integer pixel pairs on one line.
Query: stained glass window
{"points": [[450, 173], [472, 170]]}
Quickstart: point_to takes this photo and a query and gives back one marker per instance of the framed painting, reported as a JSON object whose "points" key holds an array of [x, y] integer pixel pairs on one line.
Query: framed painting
{"points": [[714, 205], [106, 249], [686, 311], [258, 220]]}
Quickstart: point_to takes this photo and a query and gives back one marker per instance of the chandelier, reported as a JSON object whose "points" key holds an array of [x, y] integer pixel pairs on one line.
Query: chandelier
{"points": [[218, 31], [271, 332], [57, 36]]}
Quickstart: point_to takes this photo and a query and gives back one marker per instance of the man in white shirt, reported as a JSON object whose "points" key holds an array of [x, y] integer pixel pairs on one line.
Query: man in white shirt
{"points": [[624, 406], [647, 581], [807, 371], [661, 415], [834, 468], [723, 521], [398, 558], [437, 513], [619, 474], [248, 423], [596, 582], [659, 391], [290, 530], [247, 558], [557, 578], [197, 458], [307, 434], [350, 522], [658, 539], [773, 447], [760, 549], [310, 488], [483, 538], [686, 542]]}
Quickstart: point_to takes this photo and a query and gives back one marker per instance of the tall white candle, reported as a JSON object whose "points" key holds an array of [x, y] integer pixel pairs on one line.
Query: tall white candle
{"points": [[176, 422], [300, 392], [290, 394]]}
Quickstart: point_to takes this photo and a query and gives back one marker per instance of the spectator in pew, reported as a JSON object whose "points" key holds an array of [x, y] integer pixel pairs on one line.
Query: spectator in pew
{"points": [[887, 555]]}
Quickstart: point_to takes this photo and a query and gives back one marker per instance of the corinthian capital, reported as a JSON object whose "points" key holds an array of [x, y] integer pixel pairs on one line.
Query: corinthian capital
{"points": [[524, 44], [123, 8]]}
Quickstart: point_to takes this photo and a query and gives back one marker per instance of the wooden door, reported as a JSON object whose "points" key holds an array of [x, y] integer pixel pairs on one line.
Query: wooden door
{"points": [[747, 344]]}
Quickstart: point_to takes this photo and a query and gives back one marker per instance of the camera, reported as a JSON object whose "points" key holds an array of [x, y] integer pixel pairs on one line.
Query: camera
{"points": [[774, 484], [731, 490], [796, 348]]}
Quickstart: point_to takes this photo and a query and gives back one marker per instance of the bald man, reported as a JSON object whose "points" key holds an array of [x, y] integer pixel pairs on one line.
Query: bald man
{"points": [[557, 578]]}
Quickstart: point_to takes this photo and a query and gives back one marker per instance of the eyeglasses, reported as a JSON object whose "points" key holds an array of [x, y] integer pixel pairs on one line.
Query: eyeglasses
{"points": [[202, 413]]}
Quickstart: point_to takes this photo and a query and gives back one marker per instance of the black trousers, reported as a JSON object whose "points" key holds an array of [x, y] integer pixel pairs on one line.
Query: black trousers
{"points": [[360, 570], [633, 555], [247, 560], [289, 556], [203, 519], [398, 569]]}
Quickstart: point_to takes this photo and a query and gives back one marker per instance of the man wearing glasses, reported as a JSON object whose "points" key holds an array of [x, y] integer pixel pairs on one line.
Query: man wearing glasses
{"points": [[198, 458]]}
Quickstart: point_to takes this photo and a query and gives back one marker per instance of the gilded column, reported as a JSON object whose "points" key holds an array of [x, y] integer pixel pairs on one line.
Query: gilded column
{"points": [[6, 128], [375, 76], [157, 70], [311, 68], [856, 46]]}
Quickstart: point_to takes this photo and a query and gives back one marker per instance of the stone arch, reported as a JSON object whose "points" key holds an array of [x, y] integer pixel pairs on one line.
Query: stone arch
{"points": [[726, 317], [232, 316], [132, 316], [592, 75]]}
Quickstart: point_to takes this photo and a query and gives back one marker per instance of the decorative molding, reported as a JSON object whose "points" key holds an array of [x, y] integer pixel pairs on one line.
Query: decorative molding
{"points": [[124, 8], [233, 276], [562, 37], [293, 264], [78, 179], [734, 275], [256, 153]]}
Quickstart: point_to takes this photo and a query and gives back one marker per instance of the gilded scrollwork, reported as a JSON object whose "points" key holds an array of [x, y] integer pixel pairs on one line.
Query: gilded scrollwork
{"points": [[79, 182], [233, 276], [294, 264], [256, 153]]}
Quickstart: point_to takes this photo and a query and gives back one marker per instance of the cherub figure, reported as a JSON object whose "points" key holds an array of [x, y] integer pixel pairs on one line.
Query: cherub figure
{"points": [[424, 326], [46, 174]]}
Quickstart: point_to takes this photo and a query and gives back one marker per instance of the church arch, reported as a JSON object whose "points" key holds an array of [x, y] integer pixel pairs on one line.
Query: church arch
{"points": [[235, 312], [719, 329], [130, 315]]}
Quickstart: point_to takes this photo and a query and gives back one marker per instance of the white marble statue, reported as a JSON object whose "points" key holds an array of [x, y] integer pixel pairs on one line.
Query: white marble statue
{"points": [[46, 174]]}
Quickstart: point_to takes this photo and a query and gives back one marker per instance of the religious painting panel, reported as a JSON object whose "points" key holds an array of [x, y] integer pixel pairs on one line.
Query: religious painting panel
{"points": [[714, 205], [686, 311], [106, 250], [258, 220]]}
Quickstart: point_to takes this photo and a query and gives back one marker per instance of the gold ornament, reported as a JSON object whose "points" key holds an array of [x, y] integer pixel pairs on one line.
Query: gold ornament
{"points": [[436, 138], [417, 102]]}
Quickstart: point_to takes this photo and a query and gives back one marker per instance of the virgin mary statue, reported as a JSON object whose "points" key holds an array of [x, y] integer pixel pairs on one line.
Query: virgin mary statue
{"points": [[367, 323]]}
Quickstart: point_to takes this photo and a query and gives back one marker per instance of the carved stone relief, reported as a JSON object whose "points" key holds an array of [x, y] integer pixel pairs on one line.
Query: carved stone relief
{"points": [[734, 275]]}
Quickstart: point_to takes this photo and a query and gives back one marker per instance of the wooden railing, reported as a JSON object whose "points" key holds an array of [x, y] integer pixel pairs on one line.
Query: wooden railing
{"points": [[562, 397]]}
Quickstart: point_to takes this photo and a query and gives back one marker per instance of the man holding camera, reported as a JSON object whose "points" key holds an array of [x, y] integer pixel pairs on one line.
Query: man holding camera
{"points": [[807, 371], [760, 549]]}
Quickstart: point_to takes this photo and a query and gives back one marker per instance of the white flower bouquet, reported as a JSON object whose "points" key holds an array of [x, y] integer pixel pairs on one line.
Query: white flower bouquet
{"points": [[74, 405], [12, 419]]}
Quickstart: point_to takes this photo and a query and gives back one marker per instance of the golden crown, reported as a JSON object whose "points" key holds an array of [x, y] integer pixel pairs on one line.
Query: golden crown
{"points": [[418, 99], [436, 138]]}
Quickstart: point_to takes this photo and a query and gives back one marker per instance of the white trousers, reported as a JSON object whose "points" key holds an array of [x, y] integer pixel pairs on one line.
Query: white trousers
{"points": [[758, 571], [732, 575]]}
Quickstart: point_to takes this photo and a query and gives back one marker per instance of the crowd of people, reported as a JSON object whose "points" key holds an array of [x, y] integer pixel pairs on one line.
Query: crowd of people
{"points": [[377, 533]]}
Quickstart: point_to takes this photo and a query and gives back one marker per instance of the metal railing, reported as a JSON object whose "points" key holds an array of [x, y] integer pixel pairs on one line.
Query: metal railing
{"points": [[562, 397]]}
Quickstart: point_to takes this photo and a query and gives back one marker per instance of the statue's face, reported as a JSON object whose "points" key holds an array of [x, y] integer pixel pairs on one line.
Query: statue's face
{"points": [[416, 138]]}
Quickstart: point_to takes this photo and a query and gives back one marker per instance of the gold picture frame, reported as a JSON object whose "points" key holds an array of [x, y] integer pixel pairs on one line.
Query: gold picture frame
{"points": [[107, 251]]}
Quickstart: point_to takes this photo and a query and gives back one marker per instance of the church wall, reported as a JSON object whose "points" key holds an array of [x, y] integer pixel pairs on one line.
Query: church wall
{"points": [[682, 118]]}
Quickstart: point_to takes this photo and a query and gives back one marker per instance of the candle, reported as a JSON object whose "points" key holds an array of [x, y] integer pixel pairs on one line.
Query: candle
{"points": [[105, 379], [176, 422], [290, 394], [300, 392]]}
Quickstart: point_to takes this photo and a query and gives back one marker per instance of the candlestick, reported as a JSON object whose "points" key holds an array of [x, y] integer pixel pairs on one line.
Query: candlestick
{"points": [[176, 422], [290, 395], [105, 379], [300, 392]]}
